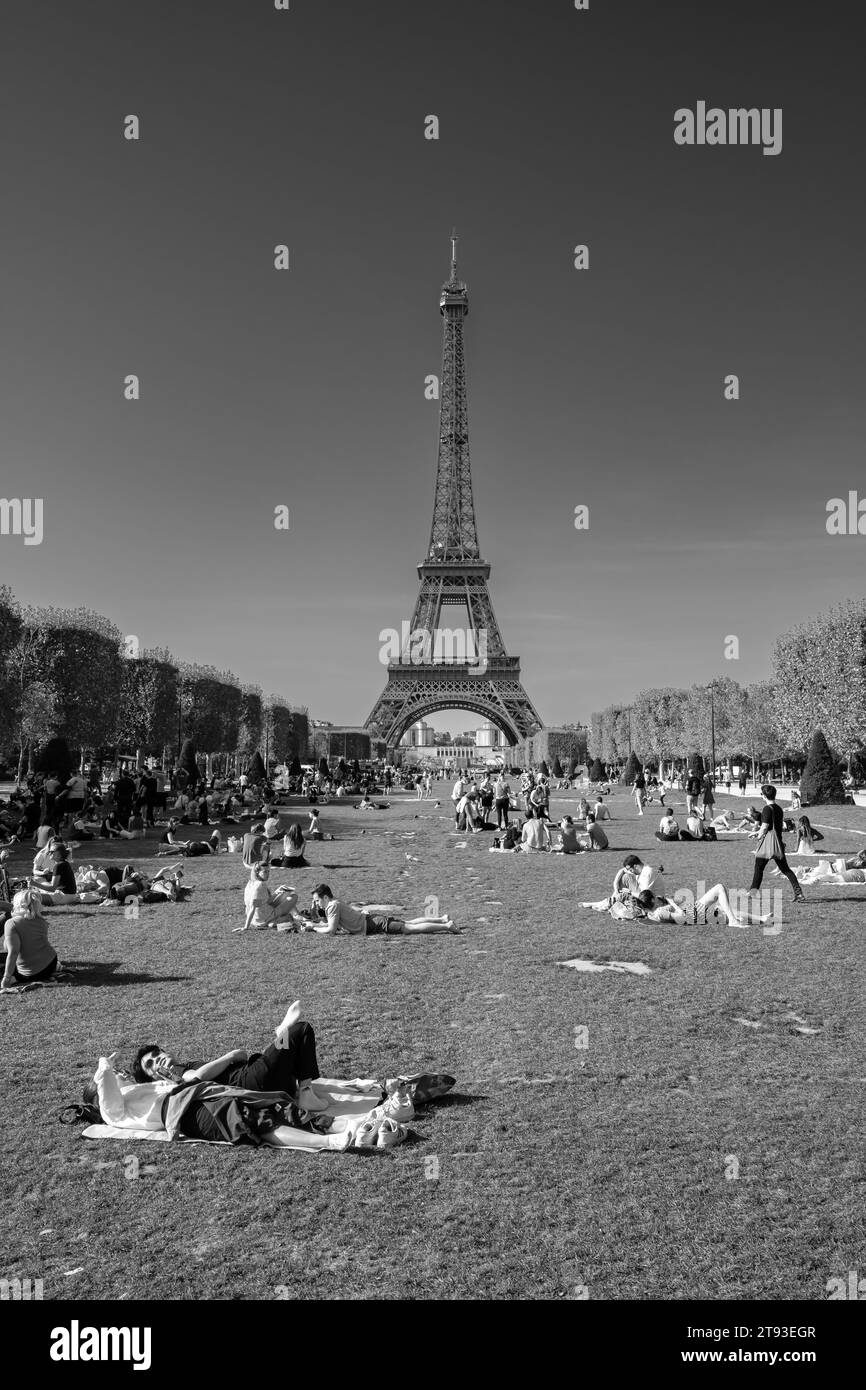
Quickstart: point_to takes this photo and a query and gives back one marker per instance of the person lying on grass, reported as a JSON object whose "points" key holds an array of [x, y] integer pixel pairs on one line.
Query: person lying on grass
{"points": [[191, 849], [227, 1099], [166, 886], [642, 894], [833, 872], [333, 916]]}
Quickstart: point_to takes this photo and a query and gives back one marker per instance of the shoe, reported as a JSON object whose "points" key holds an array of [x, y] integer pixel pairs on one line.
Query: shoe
{"points": [[365, 1134], [390, 1134], [398, 1106]]}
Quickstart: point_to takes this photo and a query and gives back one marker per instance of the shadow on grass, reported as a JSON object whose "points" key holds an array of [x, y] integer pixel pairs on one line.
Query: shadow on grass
{"points": [[451, 1101], [87, 972]]}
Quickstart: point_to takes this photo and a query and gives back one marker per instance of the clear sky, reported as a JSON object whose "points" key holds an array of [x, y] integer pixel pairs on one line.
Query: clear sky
{"points": [[306, 388]]}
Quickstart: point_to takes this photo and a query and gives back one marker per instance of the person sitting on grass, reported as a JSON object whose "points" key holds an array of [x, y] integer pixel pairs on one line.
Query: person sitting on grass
{"points": [[57, 884], [293, 849], [135, 826], [257, 850], [625, 880], [43, 860], [807, 837], [272, 825], [535, 835], [668, 826], [697, 828], [595, 834], [351, 919], [267, 907], [601, 810], [314, 831], [111, 829], [569, 840], [750, 822], [30, 958]]}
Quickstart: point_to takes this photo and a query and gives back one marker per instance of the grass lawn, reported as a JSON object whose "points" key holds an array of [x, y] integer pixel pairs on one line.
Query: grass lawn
{"points": [[559, 1168]]}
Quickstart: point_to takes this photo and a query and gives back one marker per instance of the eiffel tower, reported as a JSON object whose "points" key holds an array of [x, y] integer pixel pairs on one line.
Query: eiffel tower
{"points": [[440, 668]]}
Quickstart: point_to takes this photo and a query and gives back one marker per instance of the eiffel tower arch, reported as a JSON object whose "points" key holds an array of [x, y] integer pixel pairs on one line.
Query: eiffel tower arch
{"points": [[438, 668]]}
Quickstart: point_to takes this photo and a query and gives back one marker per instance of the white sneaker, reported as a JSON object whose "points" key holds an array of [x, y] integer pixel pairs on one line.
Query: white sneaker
{"points": [[398, 1106], [390, 1134]]}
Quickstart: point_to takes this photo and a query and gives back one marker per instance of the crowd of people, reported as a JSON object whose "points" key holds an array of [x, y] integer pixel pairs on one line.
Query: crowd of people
{"points": [[277, 1097]]}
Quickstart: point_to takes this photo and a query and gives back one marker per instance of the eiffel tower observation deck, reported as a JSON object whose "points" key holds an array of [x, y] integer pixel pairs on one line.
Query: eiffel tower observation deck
{"points": [[442, 667]]}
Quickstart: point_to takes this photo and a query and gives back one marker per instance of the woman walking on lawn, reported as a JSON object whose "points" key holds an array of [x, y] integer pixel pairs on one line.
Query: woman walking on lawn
{"points": [[771, 846]]}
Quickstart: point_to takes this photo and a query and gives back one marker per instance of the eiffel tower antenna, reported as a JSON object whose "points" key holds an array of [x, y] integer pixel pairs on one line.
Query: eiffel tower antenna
{"points": [[439, 668]]}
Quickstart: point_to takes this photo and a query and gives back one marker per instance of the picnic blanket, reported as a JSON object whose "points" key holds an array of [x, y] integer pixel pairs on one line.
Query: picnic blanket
{"points": [[349, 1103]]}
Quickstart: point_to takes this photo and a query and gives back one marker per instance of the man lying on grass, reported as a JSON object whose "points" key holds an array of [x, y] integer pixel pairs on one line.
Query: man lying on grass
{"points": [[276, 1097], [333, 915]]}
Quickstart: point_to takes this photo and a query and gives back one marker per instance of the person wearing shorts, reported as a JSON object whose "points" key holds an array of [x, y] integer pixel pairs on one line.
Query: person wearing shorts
{"points": [[351, 919]]}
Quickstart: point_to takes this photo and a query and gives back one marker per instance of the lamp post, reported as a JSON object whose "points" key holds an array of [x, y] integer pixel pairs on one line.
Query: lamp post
{"points": [[713, 728]]}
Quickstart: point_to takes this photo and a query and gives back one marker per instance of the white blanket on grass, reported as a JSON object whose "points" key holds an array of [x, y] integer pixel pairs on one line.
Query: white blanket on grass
{"points": [[349, 1103]]}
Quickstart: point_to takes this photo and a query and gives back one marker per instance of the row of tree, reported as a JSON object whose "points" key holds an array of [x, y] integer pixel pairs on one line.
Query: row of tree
{"points": [[819, 682], [70, 673], [666, 726]]}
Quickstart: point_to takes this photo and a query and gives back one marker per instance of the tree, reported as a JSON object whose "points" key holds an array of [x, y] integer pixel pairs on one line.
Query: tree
{"points": [[147, 716], [696, 765], [342, 767], [79, 653], [10, 633], [250, 721], [632, 768], [296, 769], [821, 782], [820, 675], [281, 727], [572, 767], [54, 756], [324, 770], [356, 769], [544, 769], [557, 768], [597, 771], [657, 724], [36, 719], [256, 771]]}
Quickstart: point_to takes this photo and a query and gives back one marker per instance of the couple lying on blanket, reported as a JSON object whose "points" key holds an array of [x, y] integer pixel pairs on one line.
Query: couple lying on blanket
{"points": [[275, 1097]]}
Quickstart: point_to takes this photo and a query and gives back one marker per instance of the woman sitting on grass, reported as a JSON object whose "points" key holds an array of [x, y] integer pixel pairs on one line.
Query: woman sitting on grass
{"points": [[293, 849], [30, 958], [807, 838], [266, 907]]}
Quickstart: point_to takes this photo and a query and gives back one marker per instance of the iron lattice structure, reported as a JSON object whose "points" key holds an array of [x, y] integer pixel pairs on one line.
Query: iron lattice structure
{"points": [[483, 678]]}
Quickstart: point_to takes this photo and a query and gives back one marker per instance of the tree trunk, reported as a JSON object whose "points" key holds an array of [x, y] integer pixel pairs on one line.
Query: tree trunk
{"points": [[23, 748]]}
